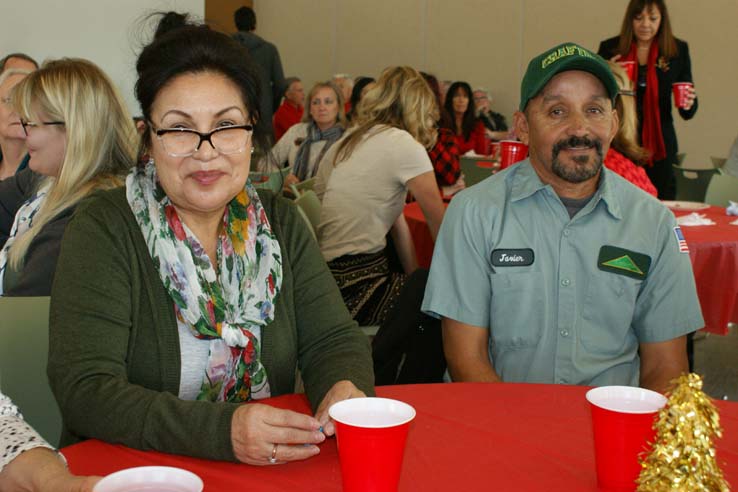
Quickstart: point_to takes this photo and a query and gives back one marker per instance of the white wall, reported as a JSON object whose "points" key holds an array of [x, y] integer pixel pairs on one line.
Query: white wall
{"points": [[489, 43], [108, 32]]}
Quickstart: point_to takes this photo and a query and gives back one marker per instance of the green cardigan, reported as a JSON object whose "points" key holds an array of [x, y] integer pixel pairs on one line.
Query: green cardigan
{"points": [[114, 357]]}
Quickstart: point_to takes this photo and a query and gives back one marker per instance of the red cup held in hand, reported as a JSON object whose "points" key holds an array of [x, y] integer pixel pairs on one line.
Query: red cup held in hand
{"points": [[371, 434], [681, 92], [630, 69], [622, 424], [512, 151]]}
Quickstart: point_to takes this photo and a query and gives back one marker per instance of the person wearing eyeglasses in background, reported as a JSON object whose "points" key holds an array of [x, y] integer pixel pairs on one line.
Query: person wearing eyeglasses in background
{"points": [[13, 155], [79, 137], [187, 292]]}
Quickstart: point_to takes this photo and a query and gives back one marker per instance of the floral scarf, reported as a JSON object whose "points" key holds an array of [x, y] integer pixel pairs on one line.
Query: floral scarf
{"points": [[23, 222], [651, 136], [229, 307]]}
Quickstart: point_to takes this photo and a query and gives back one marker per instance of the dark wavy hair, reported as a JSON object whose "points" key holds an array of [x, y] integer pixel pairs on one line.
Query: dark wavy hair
{"points": [[444, 120], [359, 85], [665, 37], [195, 48], [469, 120]]}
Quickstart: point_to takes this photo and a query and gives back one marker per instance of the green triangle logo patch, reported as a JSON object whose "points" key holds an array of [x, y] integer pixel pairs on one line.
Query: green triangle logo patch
{"points": [[624, 263]]}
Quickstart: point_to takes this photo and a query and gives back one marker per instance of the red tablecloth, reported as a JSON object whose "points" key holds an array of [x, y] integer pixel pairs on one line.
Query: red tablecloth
{"points": [[712, 249], [466, 437]]}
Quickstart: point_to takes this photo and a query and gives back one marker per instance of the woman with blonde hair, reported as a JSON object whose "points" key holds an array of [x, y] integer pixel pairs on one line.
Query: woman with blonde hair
{"points": [[625, 156], [304, 145], [382, 157], [80, 138]]}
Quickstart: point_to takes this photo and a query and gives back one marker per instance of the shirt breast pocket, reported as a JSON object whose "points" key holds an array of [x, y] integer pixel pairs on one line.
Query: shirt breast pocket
{"points": [[607, 313], [517, 309]]}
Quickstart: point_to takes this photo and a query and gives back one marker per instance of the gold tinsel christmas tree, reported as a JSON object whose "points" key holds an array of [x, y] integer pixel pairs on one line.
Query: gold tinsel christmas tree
{"points": [[683, 456]]}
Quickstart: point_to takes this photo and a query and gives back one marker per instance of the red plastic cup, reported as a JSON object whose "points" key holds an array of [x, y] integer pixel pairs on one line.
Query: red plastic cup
{"points": [[371, 434], [680, 93], [630, 69], [487, 145], [622, 423], [494, 149], [512, 151]]}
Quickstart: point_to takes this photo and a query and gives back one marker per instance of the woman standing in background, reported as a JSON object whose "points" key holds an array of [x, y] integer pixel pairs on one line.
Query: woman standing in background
{"points": [[660, 60]]}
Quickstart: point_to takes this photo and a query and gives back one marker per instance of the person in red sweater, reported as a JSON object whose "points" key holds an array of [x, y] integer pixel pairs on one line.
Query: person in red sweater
{"points": [[625, 156], [469, 129], [291, 109]]}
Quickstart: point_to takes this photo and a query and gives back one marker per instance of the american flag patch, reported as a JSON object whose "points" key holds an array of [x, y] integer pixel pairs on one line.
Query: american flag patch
{"points": [[680, 240]]}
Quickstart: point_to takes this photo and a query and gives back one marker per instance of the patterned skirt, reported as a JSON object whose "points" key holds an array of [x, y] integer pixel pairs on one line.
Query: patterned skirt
{"points": [[368, 286]]}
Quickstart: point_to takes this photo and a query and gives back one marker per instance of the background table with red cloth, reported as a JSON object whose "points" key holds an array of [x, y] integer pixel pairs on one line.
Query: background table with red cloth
{"points": [[466, 436], [713, 250]]}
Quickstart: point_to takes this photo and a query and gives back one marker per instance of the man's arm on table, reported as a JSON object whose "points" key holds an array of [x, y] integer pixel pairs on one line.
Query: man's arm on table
{"points": [[467, 356], [661, 362]]}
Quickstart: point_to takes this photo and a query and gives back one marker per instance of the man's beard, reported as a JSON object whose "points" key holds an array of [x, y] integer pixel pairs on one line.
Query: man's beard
{"points": [[584, 167]]}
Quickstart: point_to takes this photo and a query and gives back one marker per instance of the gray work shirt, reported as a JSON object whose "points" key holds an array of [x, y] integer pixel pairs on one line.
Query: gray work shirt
{"points": [[565, 300]]}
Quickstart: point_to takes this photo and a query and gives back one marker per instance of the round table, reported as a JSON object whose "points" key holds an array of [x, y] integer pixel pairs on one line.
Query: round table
{"points": [[466, 436]]}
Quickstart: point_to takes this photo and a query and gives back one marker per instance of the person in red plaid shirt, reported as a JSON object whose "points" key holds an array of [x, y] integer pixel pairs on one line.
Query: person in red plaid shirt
{"points": [[445, 153]]}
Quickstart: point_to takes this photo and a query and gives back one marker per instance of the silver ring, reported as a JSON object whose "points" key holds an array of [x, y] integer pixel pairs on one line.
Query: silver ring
{"points": [[273, 458]]}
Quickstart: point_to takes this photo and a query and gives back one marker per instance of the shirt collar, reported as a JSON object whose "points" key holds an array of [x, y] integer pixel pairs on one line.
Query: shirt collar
{"points": [[525, 182]]}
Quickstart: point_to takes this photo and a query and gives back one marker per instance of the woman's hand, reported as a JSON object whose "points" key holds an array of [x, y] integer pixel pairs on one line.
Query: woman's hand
{"points": [[41, 470], [342, 390], [691, 96], [258, 430], [615, 58], [290, 179]]}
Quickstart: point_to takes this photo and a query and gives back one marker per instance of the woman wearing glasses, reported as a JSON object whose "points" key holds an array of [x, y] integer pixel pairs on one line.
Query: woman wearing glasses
{"points": [[13, 156], [186, 293], [79, 137]]}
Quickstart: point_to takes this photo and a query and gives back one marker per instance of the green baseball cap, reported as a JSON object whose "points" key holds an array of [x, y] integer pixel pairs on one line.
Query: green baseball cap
{"points": [[566, 56]]}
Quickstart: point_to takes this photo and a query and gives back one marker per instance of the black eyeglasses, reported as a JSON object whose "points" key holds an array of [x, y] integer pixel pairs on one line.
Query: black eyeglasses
{"points": [[183, 142], [27, 125]]}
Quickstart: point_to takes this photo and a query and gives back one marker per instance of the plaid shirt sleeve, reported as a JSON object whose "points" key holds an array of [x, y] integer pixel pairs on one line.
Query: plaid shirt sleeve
{"points": [[445, 158]]}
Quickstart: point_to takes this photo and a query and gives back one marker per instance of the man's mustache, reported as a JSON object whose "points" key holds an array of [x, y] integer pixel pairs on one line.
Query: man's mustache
{"points": [[575, 141]]}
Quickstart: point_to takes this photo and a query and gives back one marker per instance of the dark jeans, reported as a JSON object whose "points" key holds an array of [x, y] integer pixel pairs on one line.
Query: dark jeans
{"points": [[408, 347]]}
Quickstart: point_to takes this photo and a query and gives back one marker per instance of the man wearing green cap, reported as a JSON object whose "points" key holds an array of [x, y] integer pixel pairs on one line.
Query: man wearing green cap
{"points": [[557, 270]]}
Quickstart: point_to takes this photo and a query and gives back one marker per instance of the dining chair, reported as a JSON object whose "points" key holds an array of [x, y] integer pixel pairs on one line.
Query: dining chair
{"points": [[309, 206], [472, 171], [722, 188], [691, 184], [24, 332]]}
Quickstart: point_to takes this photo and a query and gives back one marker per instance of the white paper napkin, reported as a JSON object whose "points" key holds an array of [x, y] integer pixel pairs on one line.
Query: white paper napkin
{"points": [[732, 208], [694, 219], [735, 222]]}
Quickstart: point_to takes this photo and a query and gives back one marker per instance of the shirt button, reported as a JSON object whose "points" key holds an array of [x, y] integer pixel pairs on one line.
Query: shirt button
{"points": [[565, 282], [567, 232], [564, 333]]}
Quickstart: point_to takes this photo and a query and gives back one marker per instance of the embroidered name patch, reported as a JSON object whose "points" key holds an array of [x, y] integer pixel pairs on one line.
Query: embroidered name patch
{"points": [[512, 257], [623, 262], [681, 242]]}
